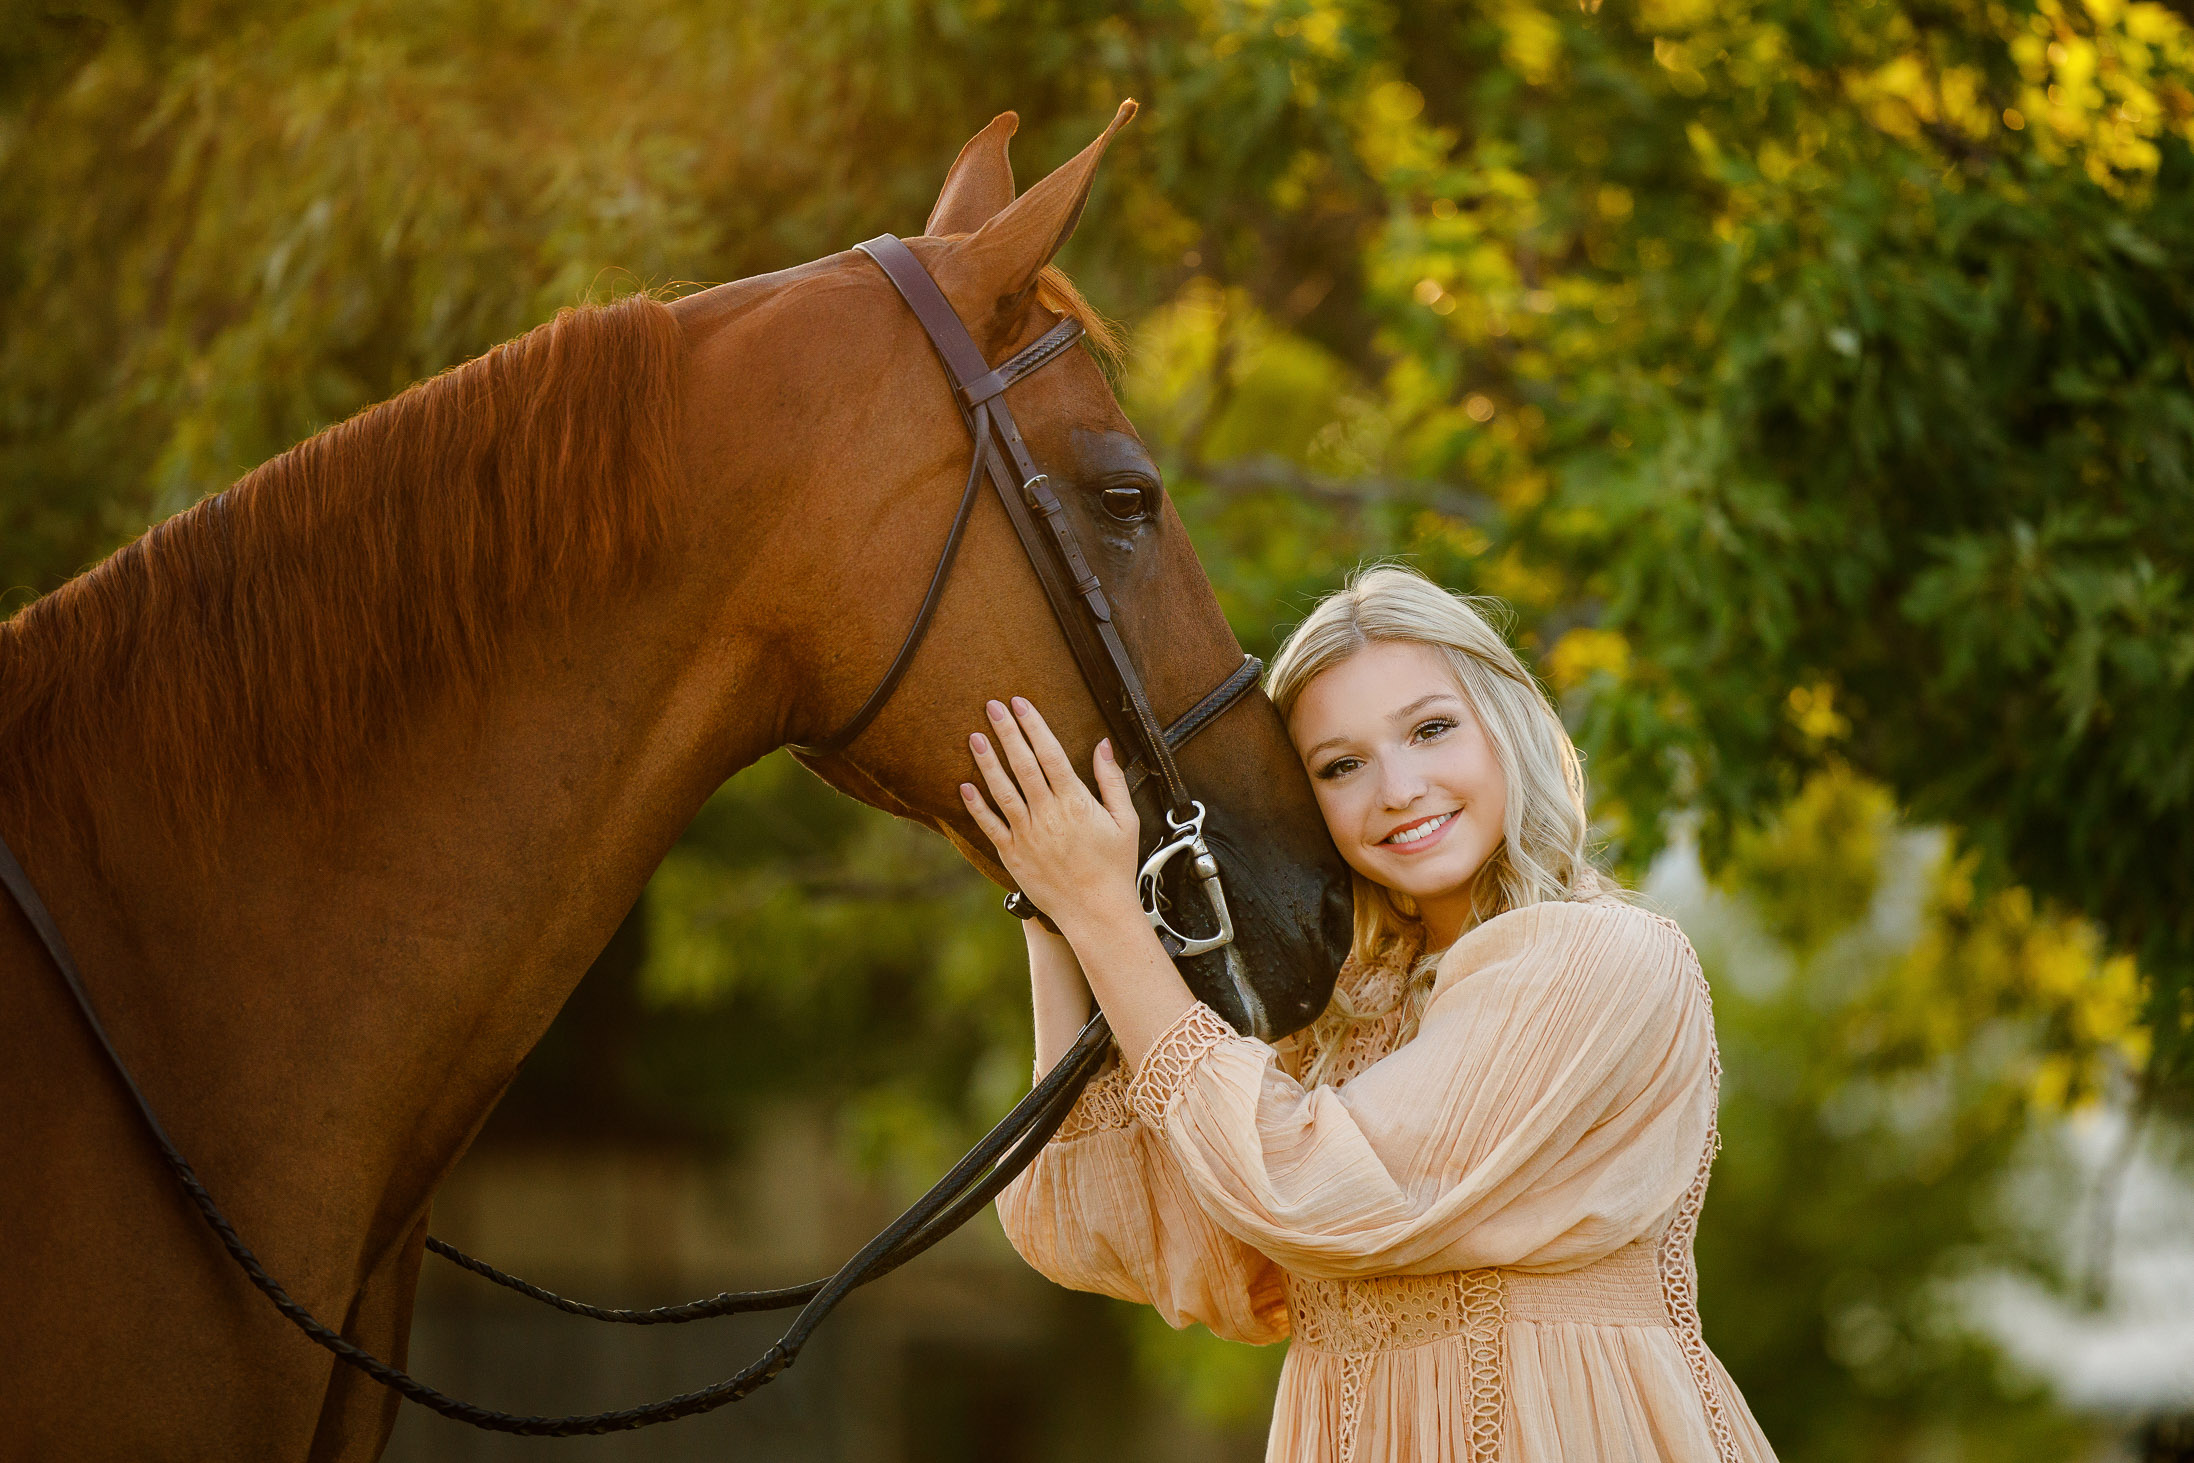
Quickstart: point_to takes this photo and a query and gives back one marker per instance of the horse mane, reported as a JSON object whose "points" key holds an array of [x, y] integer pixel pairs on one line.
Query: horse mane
{"points": [[284, 631]]}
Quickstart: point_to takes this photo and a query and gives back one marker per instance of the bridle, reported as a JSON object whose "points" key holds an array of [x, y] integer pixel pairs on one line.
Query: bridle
{"points": [[1071, 587], [1085, 617]]}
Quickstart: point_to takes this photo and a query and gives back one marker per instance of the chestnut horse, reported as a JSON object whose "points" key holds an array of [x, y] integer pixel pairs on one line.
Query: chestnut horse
{"points": [[338, 781]]}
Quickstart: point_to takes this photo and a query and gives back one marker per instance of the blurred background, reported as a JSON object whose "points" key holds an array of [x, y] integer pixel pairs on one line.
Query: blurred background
{"points": [[1811, 377]]}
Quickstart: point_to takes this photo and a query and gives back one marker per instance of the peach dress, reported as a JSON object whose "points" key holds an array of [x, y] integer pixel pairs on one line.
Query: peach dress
{"points": [[1479, 1238]]}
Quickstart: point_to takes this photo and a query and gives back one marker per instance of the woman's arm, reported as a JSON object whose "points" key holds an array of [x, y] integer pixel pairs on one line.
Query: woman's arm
{"points": [[1108, 1211], [1104, 1207], [1074, 856], [1553, 1106], [1058, 993]]}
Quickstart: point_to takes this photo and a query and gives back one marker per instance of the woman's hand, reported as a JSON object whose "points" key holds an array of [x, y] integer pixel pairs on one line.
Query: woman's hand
{"points": [[1072, 855]]}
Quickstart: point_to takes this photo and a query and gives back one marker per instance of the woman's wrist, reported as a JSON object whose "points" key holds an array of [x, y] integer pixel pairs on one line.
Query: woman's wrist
{"points": [[1091, 922], [1133, 978], [1090, 904]]}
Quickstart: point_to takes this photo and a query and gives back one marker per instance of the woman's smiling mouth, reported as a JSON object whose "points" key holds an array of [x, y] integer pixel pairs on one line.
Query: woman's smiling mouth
{"points": [[1411, 836]]}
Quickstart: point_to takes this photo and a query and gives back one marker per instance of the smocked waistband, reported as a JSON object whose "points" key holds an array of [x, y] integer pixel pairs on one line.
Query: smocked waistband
{"points": [[1393, 1312]]}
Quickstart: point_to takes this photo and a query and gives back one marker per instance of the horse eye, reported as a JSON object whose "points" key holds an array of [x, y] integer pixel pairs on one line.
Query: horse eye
{"points": [[1128, 504]]}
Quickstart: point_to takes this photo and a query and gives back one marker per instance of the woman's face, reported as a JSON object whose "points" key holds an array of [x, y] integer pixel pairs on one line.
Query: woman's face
{"points": [[1405, 775]]}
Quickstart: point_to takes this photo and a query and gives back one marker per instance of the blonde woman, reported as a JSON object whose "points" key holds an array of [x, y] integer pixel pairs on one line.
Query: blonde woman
{"points": [[1468, 1192]]}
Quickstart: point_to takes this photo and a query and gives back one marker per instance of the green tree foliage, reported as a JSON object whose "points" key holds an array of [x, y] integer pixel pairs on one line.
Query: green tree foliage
{"points": [[1846, 352], [1889, 1034], [800, 943]]}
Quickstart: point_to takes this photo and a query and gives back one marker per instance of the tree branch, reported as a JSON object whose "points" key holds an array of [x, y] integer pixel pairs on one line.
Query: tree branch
{"points": [[1248, 476]]}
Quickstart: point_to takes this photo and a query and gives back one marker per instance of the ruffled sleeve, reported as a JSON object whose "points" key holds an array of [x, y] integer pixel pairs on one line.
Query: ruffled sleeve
{"points": [[1105, 1208], [1551, 1109]]}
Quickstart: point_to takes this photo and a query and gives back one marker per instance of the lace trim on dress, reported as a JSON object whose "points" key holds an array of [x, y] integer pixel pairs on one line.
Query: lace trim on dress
{"points": [[1678, 1266], [1374, 1013], [1353, 1371], [1103, 1105], [1485, 1341], [1355, 1320], [1381, 1312], [1396, 1312], [1166, 1067]]}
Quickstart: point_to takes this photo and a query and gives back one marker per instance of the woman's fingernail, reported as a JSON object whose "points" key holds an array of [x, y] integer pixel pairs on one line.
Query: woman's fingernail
{"points": [[967, 790], [1020, 704], [1104, 749], [997, 712], [979, 742]]}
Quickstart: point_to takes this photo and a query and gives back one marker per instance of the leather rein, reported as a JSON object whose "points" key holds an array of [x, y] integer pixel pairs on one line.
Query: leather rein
{"points": [[1084, 614]]}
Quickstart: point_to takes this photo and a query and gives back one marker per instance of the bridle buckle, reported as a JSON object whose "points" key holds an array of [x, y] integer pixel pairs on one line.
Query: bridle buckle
{"points": [[1188, 837]]}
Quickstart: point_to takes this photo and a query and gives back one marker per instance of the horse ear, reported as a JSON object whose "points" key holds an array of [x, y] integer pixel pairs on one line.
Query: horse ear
{"points": [[980, 183], [991, 275]]}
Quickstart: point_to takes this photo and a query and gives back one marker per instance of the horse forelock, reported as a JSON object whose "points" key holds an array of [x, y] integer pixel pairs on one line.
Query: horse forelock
{"points": [[1056, 293], [280, 632]]}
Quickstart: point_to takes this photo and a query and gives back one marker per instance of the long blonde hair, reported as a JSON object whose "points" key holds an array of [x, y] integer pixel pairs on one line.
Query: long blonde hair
{"points": [[1543, 853]]}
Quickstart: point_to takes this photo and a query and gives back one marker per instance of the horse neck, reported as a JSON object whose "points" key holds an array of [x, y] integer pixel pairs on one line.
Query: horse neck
{"points": [[325, 1006]]}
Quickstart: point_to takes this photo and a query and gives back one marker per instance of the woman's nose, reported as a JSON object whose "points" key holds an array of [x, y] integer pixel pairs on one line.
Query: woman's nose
{"points": [[1399, 786]]}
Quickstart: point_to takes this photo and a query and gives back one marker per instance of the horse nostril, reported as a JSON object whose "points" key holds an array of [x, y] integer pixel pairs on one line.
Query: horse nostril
{"points": [[1340, 907]]}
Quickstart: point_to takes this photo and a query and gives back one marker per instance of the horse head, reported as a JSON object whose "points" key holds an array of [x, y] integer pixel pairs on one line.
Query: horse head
{"points": [[871, 459]]}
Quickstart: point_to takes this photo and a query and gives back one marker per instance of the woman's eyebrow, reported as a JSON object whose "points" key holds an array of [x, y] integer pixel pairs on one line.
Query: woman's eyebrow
{"points": [[1420, 704]]}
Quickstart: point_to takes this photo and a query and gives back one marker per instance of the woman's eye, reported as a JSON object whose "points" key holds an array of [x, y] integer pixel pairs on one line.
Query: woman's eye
{"points": [[1439, 726], [1339, 767], [1126, 502]]}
